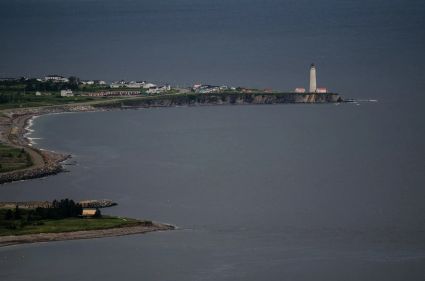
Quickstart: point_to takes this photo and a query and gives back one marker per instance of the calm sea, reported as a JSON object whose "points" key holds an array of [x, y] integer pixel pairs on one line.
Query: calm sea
{"points": [[285, 192], [362, 48], [274, 192]]}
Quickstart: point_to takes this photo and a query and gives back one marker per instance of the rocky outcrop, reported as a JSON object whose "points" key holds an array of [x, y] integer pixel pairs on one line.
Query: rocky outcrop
{"points": [[225, 98], [102, 203], [47, 170]]}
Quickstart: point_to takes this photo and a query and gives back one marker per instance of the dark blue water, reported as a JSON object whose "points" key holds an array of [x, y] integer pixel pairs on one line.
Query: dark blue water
{"points": [[299, 192], [289, 192], [362, 48]]}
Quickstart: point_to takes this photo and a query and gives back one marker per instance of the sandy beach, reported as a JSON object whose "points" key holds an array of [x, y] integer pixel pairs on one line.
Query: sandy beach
{"points": [[89, 234], [14, 128]]}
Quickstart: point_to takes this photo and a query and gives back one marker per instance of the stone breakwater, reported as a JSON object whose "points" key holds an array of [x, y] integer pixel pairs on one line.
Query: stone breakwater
{"points": [[30, 173], [103, 203]]}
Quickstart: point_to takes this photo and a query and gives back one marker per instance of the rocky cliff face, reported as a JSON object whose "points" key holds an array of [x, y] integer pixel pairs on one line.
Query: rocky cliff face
{"points": [[223, 99]]}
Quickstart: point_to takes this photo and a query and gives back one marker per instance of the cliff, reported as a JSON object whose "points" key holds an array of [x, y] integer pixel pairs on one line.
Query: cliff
{"points": [[193, 99]]}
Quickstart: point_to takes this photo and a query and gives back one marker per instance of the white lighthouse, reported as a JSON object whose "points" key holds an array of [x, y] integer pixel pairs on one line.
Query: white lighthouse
{"points": [[313, 82]]}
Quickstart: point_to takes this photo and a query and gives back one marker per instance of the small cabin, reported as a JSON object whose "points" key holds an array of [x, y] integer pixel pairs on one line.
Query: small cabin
{"points": [[90, 213]]}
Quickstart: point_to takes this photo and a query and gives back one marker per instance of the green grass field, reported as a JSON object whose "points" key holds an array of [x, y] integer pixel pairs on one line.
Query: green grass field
{"points": [[19, 227], [13, 158], [19, 100]]}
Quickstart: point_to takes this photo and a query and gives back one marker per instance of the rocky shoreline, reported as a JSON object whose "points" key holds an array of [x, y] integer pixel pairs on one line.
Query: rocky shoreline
{"points": [[31, 173], [226, 99], [87, 234], [13, 128]]}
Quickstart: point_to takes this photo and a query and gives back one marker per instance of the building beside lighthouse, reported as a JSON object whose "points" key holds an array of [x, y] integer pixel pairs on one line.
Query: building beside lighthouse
{"points": [[321, 90]]}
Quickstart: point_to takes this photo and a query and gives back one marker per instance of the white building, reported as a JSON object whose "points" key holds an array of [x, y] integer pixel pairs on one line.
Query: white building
{"points": [[131, 84], [67, 93], [321, 90], [299, 90], [196, 86], [206, 89], [136, 85], [118, 84], [158, 90], [56, 78], [149, 85]]}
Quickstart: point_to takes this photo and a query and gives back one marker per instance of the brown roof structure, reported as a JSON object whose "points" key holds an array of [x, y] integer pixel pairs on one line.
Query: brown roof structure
{"points": [[89, 212]]}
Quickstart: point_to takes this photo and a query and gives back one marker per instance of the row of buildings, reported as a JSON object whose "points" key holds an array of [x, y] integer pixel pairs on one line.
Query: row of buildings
{"points": [[150, 88], [118, 92], [206, 89], [114, 85], [131, 84], [54, 78], [60, 79], [113, 93], [123, 87]]}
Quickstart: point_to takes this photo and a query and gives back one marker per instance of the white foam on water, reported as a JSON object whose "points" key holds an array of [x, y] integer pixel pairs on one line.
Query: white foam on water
{"points": [[30, 131]]}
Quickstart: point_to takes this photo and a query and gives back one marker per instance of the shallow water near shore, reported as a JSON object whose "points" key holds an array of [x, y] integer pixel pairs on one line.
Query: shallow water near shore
{"points": [[299, 192]]}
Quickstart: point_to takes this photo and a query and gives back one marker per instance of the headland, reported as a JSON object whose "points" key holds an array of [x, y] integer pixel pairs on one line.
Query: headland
{"points": [[44, 221], [136, 228]]}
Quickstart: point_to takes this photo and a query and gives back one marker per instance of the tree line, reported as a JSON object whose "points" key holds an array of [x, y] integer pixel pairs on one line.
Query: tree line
{"points": [[62, 209], [35, 85]]}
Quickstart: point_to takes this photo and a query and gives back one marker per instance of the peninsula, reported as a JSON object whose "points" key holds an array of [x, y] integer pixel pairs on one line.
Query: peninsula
{"points": [[65, 220]]}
